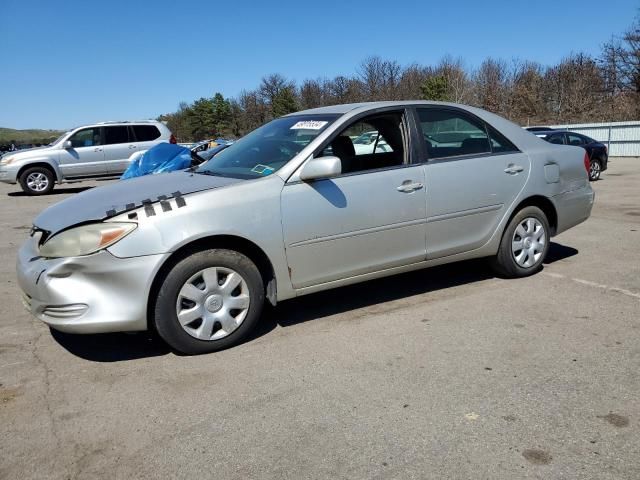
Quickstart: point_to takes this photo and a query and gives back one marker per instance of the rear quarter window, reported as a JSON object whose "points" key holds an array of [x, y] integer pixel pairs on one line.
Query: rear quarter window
{"points": [[146, 133], [452, 133], [500, 143]]}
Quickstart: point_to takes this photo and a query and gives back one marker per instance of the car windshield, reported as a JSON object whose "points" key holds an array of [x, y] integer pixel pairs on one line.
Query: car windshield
{"points": [[268, 148]]}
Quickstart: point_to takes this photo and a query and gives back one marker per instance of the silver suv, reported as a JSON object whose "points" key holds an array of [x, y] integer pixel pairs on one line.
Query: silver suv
{"points": [[92, 151]]}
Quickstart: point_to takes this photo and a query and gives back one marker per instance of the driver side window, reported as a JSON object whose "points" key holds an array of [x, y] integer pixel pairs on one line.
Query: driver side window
{"points": [[369, 144], [88, 137]]}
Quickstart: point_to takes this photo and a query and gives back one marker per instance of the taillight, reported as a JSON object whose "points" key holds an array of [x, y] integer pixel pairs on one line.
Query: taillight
{"points": [[587, 162], [173, 139]]}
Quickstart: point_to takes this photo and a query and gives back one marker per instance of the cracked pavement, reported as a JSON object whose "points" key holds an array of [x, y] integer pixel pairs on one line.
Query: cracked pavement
{"points": [[445, 373]]}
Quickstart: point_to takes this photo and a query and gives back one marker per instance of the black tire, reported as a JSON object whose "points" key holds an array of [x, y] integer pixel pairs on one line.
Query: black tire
{"points": [[44, 184], [165, 316], [595, 169], [504, 263]]}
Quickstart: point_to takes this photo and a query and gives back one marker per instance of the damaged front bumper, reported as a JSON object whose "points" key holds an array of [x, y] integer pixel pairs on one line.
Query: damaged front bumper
{"points": [[91, 294]]}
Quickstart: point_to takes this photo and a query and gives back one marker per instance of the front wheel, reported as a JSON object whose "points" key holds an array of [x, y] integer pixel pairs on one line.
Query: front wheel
{"points": [[209, 301], [36, 181], [595, 169], [524, 244]]}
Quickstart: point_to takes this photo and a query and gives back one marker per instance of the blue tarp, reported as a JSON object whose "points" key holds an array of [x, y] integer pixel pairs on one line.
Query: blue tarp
{"points": [[164, 157]]}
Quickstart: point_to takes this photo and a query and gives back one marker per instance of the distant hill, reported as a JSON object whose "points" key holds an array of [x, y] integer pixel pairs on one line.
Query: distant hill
{"points": [[28, 136]]}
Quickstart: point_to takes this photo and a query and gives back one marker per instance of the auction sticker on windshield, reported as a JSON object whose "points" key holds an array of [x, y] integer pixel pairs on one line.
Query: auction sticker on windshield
{"points": [[309, 125]]}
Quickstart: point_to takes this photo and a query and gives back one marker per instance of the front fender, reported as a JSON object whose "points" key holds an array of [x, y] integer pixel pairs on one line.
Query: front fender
{"points": [[32, 162], [249, 210]]}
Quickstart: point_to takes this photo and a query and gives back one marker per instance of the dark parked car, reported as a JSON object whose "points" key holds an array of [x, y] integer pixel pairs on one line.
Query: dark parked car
{"points": [[598, 155]]}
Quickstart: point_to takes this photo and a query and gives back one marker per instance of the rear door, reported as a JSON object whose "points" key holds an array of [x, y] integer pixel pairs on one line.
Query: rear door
{"points": [[146, 136], [473, 174], [118, 147], [86, 155]]}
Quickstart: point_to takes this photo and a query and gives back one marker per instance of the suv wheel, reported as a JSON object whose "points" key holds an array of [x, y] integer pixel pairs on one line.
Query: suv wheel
{"points": [[209, 301], [524, 244], [36, 181]]}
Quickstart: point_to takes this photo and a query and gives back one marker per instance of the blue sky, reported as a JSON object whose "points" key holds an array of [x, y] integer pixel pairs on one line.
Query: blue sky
{"points": [[77, 61]]}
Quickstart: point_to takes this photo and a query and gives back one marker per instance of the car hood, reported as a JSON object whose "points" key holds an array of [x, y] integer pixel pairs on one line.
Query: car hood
{"points": [[27, 152], [99, 203]]}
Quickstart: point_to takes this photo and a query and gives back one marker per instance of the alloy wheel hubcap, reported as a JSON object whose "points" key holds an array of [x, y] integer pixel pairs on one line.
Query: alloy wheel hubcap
{"points": [[595, 169], [528, 242], [37, 181], [213, 303]]}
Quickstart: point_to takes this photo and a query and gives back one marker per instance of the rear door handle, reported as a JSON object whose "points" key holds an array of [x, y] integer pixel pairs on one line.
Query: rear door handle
{"points": [[132, 146], [408, 186], [98, 149], [513, 169]]}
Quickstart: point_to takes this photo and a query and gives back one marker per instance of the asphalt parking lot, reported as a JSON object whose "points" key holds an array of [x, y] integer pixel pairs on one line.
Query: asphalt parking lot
{"points": [[444, 373]]}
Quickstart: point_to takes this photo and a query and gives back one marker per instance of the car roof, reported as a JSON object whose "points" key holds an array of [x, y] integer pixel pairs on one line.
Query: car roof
{"points": [[364, 106], [116, 123], [128, 122]]}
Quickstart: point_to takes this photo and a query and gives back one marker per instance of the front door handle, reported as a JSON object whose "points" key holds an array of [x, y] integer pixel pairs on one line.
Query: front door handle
{"points": [[408, 186], [98, 149], [513, 169], [132, 146]]}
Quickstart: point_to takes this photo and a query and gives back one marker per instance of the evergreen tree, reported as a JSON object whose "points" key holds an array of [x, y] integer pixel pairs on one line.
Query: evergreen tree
{"points": [[284, 102], [435, 88]]}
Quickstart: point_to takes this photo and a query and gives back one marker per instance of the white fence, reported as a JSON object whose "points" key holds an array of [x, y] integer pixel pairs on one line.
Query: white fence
{"points": [[621, 138]]}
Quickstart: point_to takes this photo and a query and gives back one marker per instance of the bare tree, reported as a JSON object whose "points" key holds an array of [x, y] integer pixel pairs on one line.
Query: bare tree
{"points": [[526, 102], [380, 78], [492, 86], [620, 66], [458, 82], [411, 79], [314, 93], [575, 89]]}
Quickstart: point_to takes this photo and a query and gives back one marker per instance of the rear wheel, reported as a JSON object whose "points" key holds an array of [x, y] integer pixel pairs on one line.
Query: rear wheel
{"points": [[36, 180], [209, 301], [524, 244], [595, 169]]}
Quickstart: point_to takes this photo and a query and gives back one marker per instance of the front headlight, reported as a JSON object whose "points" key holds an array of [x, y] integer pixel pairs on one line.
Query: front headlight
{"points": [[7, 160], [85, 240]]}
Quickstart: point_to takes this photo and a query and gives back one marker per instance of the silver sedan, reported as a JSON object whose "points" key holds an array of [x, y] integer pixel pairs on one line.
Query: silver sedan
{"points": [[294, 208]]}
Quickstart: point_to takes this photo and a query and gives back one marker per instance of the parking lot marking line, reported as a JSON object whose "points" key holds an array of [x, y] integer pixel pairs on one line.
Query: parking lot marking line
{"points": [[601, 286], [554, 275], [623, 291], [11, 364]]}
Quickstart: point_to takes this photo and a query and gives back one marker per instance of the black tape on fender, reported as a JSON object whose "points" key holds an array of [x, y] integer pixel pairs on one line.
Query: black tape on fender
{"points": [[148, 208], [180, 202]]}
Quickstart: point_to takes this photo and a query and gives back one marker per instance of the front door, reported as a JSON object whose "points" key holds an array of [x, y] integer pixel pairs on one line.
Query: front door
{"points": [[370, 218], [473, 175], [86, 155]]}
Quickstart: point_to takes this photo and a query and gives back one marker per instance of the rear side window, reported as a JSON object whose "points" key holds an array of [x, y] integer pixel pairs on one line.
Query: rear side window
{"points": [[500, 143], [575, 140], [452, 133], [146, 133], [115, 135], [557, 139]]}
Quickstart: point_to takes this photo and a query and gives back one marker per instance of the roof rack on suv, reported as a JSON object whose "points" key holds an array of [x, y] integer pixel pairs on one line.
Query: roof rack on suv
{"points": [[110, 122]]}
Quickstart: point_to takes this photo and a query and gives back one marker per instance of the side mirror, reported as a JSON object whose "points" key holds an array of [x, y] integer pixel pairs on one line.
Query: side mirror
{"points": [[67, 144], [321, 167]]}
